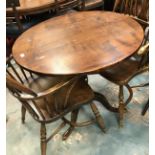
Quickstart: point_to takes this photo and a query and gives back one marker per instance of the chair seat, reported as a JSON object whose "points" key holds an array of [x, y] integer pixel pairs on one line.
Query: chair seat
{"points": [[121, 72], [54, 107]]}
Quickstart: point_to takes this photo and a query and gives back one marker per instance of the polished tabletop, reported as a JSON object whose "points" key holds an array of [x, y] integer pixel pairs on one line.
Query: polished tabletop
{"points": [[29, 6], [76, 43]]}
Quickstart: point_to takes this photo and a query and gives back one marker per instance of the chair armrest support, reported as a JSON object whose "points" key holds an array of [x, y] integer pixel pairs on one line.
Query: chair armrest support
{"points": [[140, 20]]}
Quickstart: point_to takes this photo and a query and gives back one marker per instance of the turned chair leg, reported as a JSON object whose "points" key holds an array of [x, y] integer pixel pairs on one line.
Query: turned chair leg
{"points": [[99, 119], [121, 106], [74, 116], [145, 108], [43, 142], [23, 111]]}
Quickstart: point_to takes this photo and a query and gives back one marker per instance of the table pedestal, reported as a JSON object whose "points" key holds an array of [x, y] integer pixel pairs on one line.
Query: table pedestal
{"points": [[102, 99], [98, 118]]}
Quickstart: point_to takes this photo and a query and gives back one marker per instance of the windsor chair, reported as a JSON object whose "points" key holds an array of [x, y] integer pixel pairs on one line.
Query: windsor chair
{"points": [[126, 70], [48, 99]]}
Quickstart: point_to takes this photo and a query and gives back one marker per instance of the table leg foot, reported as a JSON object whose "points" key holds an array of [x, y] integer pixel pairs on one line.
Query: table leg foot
{"points": [[67, 133]]}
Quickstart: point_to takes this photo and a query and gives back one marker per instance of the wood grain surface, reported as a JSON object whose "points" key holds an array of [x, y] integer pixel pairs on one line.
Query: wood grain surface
{"points": [[77, 43], [32, 6]]}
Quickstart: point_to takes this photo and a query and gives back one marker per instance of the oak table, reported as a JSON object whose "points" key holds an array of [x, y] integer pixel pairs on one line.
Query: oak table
{"points": [[79, 43], [32, 6]]}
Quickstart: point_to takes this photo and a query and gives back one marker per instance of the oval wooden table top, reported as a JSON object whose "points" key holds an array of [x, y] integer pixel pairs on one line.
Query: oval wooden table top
{"points": [[32, 6], [77, 43]]}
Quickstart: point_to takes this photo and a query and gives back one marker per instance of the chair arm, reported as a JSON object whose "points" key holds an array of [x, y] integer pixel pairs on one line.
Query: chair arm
{"points": [[56, 87], [140, 20], [48, 91], [143, 50]]}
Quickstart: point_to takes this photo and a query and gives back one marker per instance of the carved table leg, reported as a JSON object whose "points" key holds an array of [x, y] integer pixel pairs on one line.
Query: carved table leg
{"points": [[99, 119], [74, 116], [43, 139], [23, 111]]}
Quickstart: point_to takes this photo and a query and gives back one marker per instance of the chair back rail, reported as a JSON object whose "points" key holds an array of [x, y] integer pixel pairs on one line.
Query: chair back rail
{"points": [[15, 18], [138, 8], [17, 72], [17, 80], [17, 89], [62, 6], [91, 4]]}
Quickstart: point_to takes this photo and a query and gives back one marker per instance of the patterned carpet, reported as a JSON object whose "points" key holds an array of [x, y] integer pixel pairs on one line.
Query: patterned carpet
{"points": [[132, 139]]}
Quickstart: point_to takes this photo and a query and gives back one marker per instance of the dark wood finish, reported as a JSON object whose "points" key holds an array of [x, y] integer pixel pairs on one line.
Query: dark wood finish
{"points": [[135, 8], [14, 18], [59, 6], [74, 116], [9, 3], [43, 142], [21, 81], [121, 105], [146, 107], [83, 43], [38, 6], [102, 99], [63, 6], [92, 4], [48, 99], [32, 6], [99, 119], [108, 5], [23, 111], [78, 43], [17, 20], [125, 71]]}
